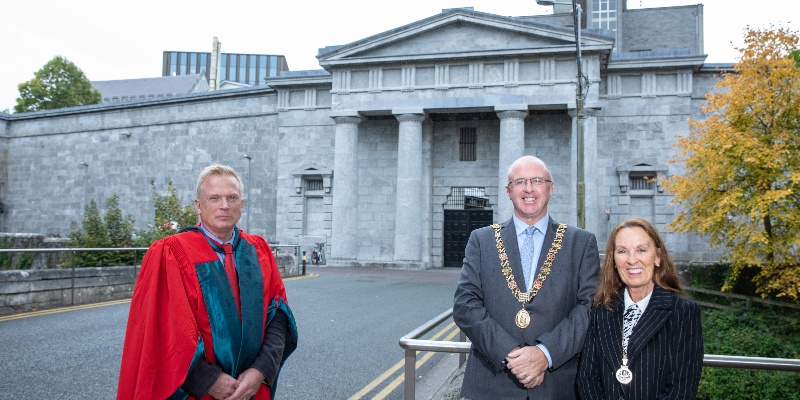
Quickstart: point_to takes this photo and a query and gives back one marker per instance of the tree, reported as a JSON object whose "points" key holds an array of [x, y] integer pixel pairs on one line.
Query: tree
{"points": [[111, 231], [58, 84], [741, 188]]}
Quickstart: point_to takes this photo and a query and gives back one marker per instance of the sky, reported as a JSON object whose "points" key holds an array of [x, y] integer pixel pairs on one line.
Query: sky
{"points": [[111, 40]]}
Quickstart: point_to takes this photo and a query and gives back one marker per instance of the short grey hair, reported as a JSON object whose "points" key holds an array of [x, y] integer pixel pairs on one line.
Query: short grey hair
{"points": [[528, 158], [216, 169]]}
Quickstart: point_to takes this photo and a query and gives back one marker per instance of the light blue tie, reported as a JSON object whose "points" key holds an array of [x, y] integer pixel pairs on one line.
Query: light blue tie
{"points": [[527, 255]]}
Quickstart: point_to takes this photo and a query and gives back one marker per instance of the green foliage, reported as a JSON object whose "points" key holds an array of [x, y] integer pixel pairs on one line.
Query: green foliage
{"points": [[168, 209], [717, 276], [111, 231], [58, 84], [741, 188], [744, 332]]}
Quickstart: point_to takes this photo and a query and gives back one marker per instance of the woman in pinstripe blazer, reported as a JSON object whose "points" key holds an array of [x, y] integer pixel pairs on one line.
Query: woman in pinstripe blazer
{"points": [[664, 354]]}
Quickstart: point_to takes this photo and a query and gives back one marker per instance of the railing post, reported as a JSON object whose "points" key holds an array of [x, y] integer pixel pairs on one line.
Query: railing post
{"points": [[72, 281], [409, 387], [462, 357]]}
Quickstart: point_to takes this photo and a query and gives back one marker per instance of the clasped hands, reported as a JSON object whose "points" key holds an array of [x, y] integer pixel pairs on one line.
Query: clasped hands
{"points": [[528, 364], [228, 388]]}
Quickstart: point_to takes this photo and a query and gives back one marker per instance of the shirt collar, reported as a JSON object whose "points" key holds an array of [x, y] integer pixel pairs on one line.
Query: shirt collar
{"points": [[216, 239], [642, 304], [541, 225]]}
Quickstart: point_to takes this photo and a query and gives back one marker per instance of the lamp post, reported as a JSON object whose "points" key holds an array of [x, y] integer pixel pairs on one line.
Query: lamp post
{"points": [[579, 97], [247, 195], [85, 184]]}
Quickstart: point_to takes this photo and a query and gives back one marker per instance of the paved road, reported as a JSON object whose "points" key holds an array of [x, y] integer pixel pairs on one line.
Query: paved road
{"points": [[350, 322]]}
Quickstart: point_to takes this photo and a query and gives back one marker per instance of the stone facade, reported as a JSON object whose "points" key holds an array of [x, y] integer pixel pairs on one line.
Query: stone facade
{"points": [[363, 157]]}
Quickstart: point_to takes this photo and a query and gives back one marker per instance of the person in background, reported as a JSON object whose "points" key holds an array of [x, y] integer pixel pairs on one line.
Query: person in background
{"points": [[645, 341], [209, 318], [524, 294]]}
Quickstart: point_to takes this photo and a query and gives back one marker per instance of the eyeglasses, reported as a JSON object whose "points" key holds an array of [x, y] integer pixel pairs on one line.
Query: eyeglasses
{"points": [[232, 199], [522, 182]]}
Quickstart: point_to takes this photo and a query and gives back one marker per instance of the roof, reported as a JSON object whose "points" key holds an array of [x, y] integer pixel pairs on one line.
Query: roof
{"points": [[163, 86]]}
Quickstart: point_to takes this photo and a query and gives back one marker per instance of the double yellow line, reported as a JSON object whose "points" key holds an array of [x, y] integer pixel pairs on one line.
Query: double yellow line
{"points": [[391, 386], [63, 309]]}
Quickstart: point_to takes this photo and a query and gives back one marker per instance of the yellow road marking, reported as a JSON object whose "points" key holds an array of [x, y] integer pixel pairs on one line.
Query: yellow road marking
{"points": [[63, 309], [395, 383], [391, 371]]}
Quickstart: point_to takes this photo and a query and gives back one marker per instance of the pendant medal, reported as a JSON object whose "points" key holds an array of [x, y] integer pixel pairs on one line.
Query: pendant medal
{"points": [[624, 375], [523, 319]]}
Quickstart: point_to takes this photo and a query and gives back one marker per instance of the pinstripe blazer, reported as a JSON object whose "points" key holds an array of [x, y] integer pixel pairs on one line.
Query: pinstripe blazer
{"points": [[484, 309], [665, 352]]}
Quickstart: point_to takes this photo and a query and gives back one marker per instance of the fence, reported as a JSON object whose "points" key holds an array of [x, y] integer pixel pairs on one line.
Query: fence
{"points": [[30, 289], [412, 344]]}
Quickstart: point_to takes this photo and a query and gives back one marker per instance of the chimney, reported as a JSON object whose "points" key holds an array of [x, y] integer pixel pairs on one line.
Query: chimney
{"points": [[216, 59]]}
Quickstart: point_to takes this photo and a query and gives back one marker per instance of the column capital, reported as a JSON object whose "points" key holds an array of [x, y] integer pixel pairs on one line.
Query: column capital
{"points": [[512, 114], [410, 117], [344, 120]]}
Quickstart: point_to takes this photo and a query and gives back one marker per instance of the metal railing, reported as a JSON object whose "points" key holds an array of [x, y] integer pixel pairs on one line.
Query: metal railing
{"points": [[412, 344], [74, 250]]}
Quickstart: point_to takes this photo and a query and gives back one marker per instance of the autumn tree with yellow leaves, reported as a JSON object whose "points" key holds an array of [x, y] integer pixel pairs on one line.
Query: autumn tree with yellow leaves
{"points": [[741, 188]]}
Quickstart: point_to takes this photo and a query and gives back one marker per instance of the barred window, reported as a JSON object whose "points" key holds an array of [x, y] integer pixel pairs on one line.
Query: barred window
{"points": [[642, 180], [313, 184], [468, 144]]}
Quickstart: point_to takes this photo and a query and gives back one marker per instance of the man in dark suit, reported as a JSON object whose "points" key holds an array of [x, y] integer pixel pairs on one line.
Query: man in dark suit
{"points": [[526, 320]]}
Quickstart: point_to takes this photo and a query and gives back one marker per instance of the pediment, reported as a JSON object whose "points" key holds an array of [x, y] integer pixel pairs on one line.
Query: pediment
{"points": [[312, 168], [461, 34]]}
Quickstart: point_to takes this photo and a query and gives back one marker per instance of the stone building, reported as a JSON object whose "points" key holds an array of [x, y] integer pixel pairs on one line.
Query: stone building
{"points": [[399, 146]]}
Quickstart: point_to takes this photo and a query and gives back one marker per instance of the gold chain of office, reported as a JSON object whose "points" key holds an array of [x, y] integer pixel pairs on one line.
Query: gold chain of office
{"points": [[543, 273]]}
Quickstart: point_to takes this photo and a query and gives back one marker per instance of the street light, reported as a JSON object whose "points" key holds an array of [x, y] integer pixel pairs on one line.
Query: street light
{"points": [[247, 196], [85, 183], [579, 98]]}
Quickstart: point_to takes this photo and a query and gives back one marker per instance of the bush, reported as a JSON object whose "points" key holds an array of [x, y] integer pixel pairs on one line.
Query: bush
{"points": [[750, 333], [111, 231]]}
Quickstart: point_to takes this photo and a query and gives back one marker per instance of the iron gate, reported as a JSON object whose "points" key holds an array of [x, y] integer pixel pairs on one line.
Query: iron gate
{"points": [[458, 224]]}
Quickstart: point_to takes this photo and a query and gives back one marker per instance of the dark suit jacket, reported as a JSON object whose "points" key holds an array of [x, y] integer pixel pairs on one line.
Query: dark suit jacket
{"points": [[665, 352], [485, 308]]}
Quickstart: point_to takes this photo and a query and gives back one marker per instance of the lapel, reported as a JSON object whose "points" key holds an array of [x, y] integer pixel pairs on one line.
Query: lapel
{"points": [[509, 235], [613, 335], [654, 317], [549, 236]]}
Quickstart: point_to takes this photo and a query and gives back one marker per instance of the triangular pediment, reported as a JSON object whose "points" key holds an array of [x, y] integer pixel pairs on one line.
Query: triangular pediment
{"points": [[461, 34]]}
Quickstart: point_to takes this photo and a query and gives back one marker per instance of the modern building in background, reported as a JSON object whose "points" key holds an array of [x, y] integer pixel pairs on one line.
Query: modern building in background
{"points": [[247, 69]]}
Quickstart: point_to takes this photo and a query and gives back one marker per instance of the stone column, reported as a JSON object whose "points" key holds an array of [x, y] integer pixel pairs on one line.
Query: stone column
{"points": [[408, 206], [592, 208], [512, 147], [344, 224]]}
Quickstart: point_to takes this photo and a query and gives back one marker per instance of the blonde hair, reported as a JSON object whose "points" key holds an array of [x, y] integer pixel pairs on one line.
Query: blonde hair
{"points": [[216, 169], [665, 276]]}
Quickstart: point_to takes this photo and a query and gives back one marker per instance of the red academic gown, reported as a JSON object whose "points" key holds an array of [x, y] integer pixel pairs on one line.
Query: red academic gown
{"points": [[183, 309]]}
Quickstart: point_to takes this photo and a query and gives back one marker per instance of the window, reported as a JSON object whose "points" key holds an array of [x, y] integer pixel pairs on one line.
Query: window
{"points": [[242, 78], [642, 180], [604, 14], [204, 63], [467, 198], [313, 184], [468, 144]]}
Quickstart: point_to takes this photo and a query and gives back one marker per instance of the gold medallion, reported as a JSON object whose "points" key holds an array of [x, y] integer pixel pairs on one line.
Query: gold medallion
{"points": [[624, 375], [523, 319]]}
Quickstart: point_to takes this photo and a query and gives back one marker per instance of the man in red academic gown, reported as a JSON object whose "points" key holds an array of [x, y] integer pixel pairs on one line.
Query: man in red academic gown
{"points": [[206, 322]]}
